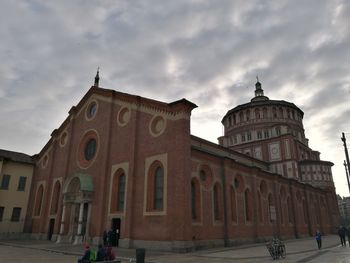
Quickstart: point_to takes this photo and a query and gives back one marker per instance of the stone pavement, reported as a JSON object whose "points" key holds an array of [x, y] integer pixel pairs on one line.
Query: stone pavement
{"points": [[298, 251]]}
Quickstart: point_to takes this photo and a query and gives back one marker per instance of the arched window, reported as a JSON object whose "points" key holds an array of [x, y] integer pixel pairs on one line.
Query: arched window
{"points": [[272, 209], [260, 210], [241, 117], [257, 113], [195, 200], [155, 194], [158, 189], [289, 205], [274, 112], [118, 191], [217, 201], [247, 115], [280, 110], [247, 205], [264, 113], [304, 211], [121, 193], [39, 200], [233, 205], [55, 198]]}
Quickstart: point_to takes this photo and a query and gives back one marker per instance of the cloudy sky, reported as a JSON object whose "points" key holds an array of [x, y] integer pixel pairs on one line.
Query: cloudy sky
{"points": [[208, 52]]}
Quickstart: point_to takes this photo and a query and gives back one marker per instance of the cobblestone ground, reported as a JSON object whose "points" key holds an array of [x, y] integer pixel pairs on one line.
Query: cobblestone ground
{"points": [[298, 251]]}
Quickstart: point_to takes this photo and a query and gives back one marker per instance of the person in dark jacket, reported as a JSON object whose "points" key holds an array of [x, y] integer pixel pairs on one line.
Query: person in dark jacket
{"points": [[86, 256], [342, 232], [318, 237], [101, 253], [105, 238]]}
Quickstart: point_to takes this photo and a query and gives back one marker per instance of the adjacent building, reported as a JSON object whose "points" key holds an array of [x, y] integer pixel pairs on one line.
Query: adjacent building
{"points": [[129, 164], [16, 171]]}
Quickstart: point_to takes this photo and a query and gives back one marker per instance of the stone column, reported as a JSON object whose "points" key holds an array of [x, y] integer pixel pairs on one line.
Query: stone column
{"points": [[80, 222], [78, 238], [59, 238]]}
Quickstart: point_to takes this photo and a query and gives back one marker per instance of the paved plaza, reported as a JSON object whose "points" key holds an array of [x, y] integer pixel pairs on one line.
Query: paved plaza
{"points": [[298, 251]]}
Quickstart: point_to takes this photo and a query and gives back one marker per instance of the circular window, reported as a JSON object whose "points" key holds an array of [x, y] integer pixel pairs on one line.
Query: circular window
{"points": [[91, 110], [157, 125], [202, 176], [63, 139], [123, 116], [90, 149]]}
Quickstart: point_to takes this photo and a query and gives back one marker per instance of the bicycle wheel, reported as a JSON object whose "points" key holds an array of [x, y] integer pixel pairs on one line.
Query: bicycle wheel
{"points": [[283, 251]]}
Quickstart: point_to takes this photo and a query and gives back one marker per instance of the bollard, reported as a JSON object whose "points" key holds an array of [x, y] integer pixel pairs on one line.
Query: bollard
{"points": [[140, 255]]}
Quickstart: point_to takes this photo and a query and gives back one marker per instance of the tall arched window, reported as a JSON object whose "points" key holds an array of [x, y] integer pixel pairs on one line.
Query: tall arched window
{"points": [[39, 200], [265, 113], [280, 110], [247, 205], [304, 211], [247, 115], [55, 198], [118, 191], [121, 193], [241, 117], [290, 215], [195, 200], [272, 209], [274, 112], [260, 210], [233, 205], [257, 113], [216, 201], [158, 189]]}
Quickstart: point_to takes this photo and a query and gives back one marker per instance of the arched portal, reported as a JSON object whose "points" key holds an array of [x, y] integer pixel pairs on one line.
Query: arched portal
{"points": [[78, 192]]}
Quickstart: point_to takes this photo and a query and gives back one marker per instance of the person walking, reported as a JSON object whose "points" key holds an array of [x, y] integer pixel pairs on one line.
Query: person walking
{"points": [[318, 237], [341, 233]]}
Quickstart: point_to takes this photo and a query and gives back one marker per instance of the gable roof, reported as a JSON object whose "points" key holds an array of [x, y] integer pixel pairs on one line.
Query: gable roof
{"points": [[16, 156]]}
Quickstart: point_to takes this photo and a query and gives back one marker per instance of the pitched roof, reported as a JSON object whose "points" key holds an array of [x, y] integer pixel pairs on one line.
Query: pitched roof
{"points": [[16, 156]]}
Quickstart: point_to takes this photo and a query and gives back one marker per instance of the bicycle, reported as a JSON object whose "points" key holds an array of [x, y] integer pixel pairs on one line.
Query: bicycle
{"points": [[276, 248]]}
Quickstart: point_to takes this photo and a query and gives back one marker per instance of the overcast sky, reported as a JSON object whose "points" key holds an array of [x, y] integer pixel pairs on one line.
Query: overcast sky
{"points": [[208, 52]]}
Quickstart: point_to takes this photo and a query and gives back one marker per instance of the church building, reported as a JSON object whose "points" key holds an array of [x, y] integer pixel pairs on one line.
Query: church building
{"points": [[129, 164]]}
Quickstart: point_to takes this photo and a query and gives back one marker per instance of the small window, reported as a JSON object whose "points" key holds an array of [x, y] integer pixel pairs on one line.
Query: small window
{"points": [[278, 131], [5, 181], [259, 134], [22, 183], [235, 139], [243, 137], [249, 136], [92, 110], [266, 134], [16, 214], [1, 212], [90, 149]]}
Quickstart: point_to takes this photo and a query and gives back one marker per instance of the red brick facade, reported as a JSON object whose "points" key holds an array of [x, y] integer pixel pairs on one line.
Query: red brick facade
{"points": [[129, 163]]}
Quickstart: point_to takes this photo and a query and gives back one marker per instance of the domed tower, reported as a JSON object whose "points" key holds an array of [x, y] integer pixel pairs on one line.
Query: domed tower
{"points": [[272, 131]]}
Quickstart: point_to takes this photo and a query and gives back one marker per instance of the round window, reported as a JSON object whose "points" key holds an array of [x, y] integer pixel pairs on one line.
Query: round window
{"points": [[91, 111], [90, 149]]}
